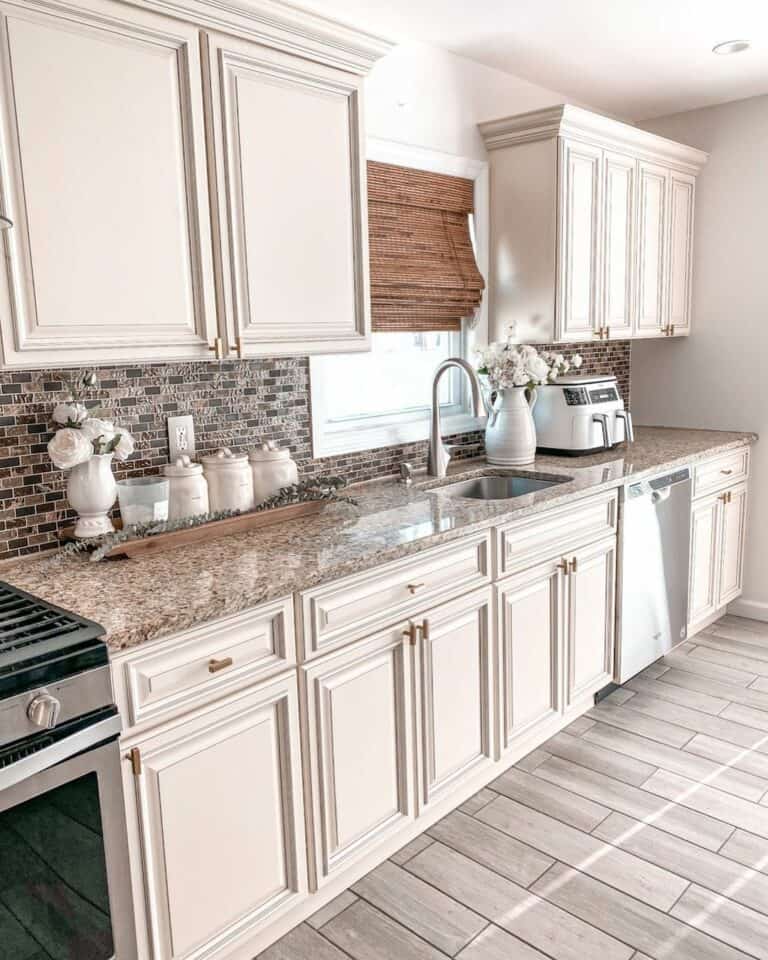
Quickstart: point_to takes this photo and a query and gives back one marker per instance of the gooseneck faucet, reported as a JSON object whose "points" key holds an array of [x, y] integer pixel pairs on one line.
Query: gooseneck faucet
{"points": [[439, 453]]}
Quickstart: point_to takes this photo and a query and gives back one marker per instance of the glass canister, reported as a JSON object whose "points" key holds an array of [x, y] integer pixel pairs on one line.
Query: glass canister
{"points": [[142, 500], [272, 469], [188, 489], [230, 484]]}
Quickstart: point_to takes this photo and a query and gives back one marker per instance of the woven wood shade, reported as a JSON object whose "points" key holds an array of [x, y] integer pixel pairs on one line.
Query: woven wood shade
{"points": [[423, 270]]}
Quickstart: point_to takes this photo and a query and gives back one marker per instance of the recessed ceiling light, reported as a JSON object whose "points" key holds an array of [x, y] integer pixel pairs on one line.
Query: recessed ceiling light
{"points": [[731, 46]]}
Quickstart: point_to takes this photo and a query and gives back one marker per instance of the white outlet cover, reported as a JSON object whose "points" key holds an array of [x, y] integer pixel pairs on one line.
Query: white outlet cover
{"points": [[181, 437]]}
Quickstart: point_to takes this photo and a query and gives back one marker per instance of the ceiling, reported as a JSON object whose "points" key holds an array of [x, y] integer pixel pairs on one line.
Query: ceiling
{"points": [[633, 58]]}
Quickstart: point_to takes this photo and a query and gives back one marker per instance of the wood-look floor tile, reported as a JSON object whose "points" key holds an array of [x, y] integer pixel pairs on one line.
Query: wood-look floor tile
{"points": [[715, 871], [731, 692], [720, 917], [654, 671], [478, 801], [330, 910], [635, 802], [687, 698], [404, 854], [436, 918], [301, 943], [698, 722], [707, 800], [749, 850], [504, 854], [626, 719], [727, 658], [739, 758], [731, 630], [760, 683], [618, 697], [658, 934], [578, 726], [586, 853], [367, 934], [510, 906], [687, 764], [703, 668], [760, 627], [496, 944], [532, 760], [618, 765], [551, 799], [749, 716]]}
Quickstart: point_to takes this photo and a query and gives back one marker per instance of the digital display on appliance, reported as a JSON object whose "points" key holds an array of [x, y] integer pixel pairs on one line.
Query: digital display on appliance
{"points": [[575, 396], [603, 395]]}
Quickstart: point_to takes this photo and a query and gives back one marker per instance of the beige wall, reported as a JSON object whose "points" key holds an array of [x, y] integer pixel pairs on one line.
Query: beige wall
{"points": [[719, 377]]}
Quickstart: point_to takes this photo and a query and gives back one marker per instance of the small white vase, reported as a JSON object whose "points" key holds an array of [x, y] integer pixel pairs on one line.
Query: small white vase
{"points": [[510, 435], [92, 491]]}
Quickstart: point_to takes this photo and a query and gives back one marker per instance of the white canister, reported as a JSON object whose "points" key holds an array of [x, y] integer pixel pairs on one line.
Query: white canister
{"points": [[230, 484], [272, 469], [188, 489]]}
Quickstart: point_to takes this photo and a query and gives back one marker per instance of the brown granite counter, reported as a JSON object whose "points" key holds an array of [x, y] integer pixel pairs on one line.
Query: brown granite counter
{"points": [[143, 599]]}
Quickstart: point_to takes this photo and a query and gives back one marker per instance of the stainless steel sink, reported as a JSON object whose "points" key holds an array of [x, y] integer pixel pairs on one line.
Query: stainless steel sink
{"points": [[499, 488]]}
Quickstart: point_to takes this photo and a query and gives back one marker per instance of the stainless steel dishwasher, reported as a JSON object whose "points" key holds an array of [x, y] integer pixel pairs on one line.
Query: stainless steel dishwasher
{"points": [[653, 569]]}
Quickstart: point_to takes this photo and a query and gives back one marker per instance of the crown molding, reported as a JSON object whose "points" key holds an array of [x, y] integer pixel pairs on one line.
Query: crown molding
{"points": [[572, 122]]}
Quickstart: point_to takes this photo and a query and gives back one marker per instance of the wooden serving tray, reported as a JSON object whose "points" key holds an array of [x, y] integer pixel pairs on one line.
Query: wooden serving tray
{"points": [[161, 542]]}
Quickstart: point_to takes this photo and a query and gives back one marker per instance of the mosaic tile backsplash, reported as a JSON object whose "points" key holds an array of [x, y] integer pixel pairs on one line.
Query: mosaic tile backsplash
{"points": [[235, 403]]}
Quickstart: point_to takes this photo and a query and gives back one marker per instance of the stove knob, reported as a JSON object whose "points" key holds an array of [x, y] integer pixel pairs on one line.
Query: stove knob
{"points": [[44, 711]]}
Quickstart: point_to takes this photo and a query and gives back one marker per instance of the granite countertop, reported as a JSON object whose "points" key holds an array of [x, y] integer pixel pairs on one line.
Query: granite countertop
{"points": [[146, 598]]}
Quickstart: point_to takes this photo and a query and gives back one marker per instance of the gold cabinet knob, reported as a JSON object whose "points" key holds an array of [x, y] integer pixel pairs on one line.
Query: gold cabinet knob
{"points": [[215, 665]]}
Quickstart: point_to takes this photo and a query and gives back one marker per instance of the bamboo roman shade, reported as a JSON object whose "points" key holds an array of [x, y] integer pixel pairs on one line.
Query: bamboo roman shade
{"points": [[423, 270]]}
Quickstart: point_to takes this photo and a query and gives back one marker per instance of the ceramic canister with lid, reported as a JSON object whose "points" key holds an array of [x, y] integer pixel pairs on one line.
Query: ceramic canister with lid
{"points": [[188, 493], [230, 484], [272, 469]]}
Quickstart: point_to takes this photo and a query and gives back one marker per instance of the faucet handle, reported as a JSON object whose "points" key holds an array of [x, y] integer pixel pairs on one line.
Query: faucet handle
{"points": [[406, 473]]}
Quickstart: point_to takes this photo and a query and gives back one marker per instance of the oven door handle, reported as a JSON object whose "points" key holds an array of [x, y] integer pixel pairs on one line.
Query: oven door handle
{"points": [[63, 749]]}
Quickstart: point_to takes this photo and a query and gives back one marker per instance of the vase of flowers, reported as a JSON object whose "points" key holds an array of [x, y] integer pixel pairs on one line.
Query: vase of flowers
{"points": [[85, 446], [510, 374]]}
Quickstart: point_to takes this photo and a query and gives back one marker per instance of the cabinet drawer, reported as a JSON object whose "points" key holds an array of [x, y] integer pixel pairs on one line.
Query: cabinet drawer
{"points": [[525, 542], [720, 472], [357, 605], [204, 661]]}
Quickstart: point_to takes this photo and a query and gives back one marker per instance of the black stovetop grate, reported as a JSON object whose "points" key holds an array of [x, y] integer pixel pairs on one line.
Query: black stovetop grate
{"points": [[26, 621]]}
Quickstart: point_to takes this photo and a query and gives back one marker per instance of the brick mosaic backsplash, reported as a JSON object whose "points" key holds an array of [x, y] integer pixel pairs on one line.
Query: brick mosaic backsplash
{"points": [[235, 403]]}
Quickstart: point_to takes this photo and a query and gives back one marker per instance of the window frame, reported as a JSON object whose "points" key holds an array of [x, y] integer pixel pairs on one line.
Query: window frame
{"points": [[393, 429]]}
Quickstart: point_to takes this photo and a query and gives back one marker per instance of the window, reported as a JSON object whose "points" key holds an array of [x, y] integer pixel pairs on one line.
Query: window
{"points": [[362, 401]]}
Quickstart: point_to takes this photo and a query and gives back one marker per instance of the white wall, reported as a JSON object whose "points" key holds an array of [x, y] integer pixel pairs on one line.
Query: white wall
{"points": [[428, 97], [719, 376]]}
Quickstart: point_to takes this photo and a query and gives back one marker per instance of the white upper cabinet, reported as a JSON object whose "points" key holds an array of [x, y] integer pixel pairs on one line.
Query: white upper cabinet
{"points": [[104, 175], [291, 200], [173, 205], [591, 228]]}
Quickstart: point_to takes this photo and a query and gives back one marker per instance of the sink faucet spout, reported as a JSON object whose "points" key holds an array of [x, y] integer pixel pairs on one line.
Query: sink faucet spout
{"points": [[439, 453]]}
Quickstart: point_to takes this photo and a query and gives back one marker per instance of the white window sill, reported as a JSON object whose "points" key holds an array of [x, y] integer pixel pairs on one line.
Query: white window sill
{"points": [[352, 440]]}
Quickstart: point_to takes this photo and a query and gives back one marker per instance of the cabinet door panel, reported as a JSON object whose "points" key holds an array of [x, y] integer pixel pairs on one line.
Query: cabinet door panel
{"points": [[455, 689], [733, 534], [618, 245], [681, 190], [705, 550], [590, 632], [291, 200], [104, 175], [530, 613], [219, 801], [580, 175], [653, 185], [360, 715]]}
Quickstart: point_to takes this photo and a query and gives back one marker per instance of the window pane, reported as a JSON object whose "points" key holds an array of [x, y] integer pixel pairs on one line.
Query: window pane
{"points": [[394, 378]]}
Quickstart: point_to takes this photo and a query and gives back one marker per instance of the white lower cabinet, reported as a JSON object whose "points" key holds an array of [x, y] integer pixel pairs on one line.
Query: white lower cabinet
{"points": [[217, 802]]}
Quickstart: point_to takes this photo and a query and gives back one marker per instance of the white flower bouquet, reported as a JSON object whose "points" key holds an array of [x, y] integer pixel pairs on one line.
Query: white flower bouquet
{"points": [[508, 365], [80, 436]]}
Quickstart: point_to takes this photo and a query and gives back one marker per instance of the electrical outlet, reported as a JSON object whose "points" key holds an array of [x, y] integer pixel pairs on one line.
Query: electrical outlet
{"points": [[181, 437]]}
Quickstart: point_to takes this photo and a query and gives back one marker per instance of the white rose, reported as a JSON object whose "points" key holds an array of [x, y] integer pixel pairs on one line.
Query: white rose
{"points": [[68, 447], [69, 414], [98, 430], [538, 368], [576, 361], [124, 446]]}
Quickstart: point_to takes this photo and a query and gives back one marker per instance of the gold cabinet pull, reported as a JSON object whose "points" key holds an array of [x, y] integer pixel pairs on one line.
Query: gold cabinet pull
{"points": [[413, 587], [671, 329], [239, 347], [574, 565], [607, 333], [726, 473], [425, 628], [217, 348], [565, 566], [134, 756], [410, 634], [215, 665]]}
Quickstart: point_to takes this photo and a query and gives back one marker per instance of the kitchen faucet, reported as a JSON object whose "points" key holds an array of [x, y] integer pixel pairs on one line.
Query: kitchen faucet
{"points": [[439, 453]]}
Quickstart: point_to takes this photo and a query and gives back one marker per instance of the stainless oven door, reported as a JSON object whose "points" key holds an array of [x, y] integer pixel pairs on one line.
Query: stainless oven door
{"points": [[65, 891]]}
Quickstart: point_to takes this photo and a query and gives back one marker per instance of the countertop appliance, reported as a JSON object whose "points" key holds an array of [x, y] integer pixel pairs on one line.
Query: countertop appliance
{"points": [[653, 569], [581, 414], [64, 886]]}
